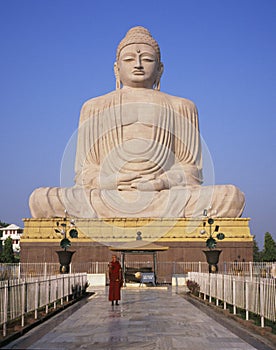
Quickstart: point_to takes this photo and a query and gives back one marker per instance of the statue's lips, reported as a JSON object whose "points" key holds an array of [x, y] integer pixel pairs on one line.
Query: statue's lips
{"points": [[138, 72]]}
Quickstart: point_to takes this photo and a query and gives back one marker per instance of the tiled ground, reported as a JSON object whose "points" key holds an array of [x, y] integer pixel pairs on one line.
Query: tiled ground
{"points": [[146, 318]]}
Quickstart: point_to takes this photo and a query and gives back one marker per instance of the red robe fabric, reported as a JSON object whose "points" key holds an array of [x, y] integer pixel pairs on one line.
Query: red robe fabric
{"points": [[115, 280]]}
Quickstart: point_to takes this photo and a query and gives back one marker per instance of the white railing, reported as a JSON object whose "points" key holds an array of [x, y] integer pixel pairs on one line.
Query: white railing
{"points": [[252, 294], [20, 297], [90, 267], [165, 269]]}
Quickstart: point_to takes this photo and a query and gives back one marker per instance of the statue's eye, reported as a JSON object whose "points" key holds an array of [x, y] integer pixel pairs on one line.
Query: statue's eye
{"points": [[128, 58], [147, 58]]}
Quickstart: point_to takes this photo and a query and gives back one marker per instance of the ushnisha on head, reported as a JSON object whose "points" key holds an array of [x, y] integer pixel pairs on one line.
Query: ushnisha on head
{"points": [[138, 60]]}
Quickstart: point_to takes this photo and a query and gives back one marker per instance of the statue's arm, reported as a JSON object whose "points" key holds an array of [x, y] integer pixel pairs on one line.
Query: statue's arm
{"points": [[87, 165], [187, 169]]}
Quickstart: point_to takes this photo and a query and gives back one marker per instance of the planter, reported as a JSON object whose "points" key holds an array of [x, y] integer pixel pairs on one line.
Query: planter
{"points": [[64, 257], [212, 257]]}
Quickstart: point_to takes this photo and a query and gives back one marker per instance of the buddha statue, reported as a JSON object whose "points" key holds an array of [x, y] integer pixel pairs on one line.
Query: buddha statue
{"points": [[139, 151]]}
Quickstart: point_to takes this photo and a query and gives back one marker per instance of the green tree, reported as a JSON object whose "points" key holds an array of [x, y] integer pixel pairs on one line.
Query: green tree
{"points": [[269, 251], [7, 254], [3, 224], [257, 254]]}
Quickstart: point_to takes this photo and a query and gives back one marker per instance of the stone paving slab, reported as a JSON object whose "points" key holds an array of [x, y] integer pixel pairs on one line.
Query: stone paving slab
{"points": [[149, 319]]}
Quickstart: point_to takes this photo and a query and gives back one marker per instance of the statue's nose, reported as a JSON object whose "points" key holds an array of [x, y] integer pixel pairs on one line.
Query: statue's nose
{"points": [[138, 63]]}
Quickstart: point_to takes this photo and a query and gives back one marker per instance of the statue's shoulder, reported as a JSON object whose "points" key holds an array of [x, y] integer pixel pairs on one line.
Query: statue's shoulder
{"points": [[96, 104], [179, 102], [99, 100]]}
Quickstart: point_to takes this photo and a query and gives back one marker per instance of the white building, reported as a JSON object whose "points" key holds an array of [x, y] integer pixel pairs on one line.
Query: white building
{"points": [[13, 231]]}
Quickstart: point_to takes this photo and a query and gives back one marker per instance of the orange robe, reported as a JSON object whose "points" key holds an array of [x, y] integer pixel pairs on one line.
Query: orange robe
{"points": [[115, 280]]}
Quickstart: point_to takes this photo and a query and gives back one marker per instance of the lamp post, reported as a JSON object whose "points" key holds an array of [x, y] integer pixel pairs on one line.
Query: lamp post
{"points": [[65, 256], [212, 255]]}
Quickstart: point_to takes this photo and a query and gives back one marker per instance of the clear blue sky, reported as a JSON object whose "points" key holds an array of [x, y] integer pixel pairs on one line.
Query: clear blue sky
{"points": [[56, 54]]}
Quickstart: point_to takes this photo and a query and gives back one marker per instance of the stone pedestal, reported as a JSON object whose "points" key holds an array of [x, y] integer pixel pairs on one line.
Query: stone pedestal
{"points": [[40, 241]]}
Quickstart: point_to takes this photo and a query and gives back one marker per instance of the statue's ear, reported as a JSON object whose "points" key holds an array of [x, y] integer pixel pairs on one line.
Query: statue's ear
{"points": [[117, 76], [161, 69], [160, 72]]}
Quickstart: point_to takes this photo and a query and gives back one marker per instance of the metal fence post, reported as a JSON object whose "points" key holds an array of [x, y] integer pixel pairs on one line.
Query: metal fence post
{"points": [[234, 296], [36, 298], [224, 293], [62, 293], [5, 305], [47, 295], [56, 291], [67, 289], [210, 287], [246, 300], [23, 297], [262, 301], [45, 270], [217, 299]]}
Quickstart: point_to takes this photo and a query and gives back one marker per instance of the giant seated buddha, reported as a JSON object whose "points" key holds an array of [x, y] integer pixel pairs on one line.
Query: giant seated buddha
{"points": [[139, 150]]}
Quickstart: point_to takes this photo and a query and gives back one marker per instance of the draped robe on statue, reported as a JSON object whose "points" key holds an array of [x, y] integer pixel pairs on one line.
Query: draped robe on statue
{"points": [[139, 131]]}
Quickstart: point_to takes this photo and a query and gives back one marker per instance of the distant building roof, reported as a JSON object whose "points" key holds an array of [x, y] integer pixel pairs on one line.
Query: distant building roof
{"points": [[11, 227]]}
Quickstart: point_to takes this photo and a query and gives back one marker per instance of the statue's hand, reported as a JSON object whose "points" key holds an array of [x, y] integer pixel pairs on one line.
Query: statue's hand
{"points": [[152, 185], [118, 182], [127, 179]]}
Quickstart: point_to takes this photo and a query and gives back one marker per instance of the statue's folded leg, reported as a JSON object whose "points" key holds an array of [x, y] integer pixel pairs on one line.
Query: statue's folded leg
{"points": [[225, 201], [46, 202], [220, 201]]}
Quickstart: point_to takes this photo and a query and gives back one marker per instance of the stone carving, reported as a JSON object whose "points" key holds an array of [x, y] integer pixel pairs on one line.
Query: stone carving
{"points": [[138, 151]]}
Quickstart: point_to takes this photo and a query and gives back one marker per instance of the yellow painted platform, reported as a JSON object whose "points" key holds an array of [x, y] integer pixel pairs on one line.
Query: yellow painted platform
{"points": [[125, 229]]}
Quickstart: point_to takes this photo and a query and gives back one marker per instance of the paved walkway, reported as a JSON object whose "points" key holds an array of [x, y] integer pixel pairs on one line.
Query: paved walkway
{"points": [[146, 318]]}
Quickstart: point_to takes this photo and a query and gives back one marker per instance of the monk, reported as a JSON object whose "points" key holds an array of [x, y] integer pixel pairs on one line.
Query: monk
{"points": [[115, 280], [138, 151]]}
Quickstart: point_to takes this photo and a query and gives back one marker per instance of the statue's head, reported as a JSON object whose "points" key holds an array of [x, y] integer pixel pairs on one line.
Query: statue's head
{"points": [[138, 60]]}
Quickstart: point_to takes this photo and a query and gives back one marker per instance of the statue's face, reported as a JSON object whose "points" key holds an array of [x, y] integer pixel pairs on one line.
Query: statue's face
{"points": [[138, 66]]}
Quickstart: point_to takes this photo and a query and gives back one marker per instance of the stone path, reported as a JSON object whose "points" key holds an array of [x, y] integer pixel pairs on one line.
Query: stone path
{"points": [[146, 318]]}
